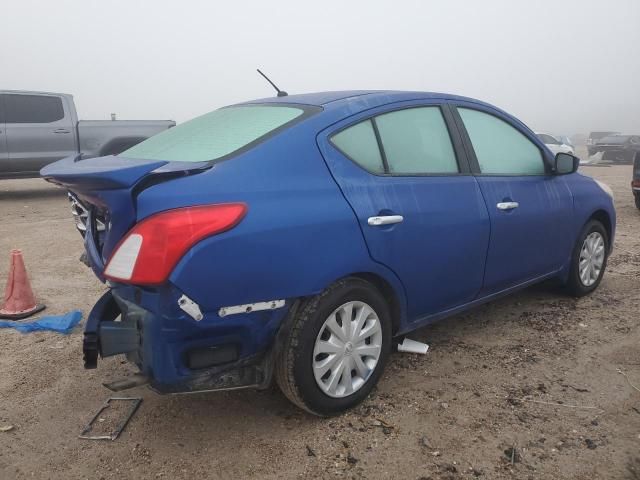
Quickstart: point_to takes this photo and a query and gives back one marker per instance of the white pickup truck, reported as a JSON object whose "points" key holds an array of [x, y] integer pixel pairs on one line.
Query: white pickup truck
{"points": [[37, 128]]}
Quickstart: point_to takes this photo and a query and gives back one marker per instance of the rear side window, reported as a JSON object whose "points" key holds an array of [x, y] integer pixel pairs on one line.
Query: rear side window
{"points": [[360, 145], [32, 109], [416, 140], [500, 148], [413, 141], [217, 134]]}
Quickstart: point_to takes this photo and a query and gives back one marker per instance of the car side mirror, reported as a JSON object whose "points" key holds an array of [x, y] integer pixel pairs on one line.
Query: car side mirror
{"points": [[566, 163]]}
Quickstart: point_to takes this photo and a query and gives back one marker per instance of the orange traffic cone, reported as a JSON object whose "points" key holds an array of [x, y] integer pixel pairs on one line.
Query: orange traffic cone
{"points": [[19, 301]]}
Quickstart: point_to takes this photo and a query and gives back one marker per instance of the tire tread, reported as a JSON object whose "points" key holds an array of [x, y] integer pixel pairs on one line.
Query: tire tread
{"points": [[287, 355]]}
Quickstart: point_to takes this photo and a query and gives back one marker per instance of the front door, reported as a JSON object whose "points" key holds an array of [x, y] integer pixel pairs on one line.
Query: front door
{"points": [[421, 212], [530, 208], [38, 131]]}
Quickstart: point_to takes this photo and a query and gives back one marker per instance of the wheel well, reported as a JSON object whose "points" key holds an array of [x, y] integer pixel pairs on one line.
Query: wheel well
{"points": [[603, 218], [388, 293]]}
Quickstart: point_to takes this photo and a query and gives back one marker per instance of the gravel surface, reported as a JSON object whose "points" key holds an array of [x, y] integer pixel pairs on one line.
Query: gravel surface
{"points": [[524, 387]]}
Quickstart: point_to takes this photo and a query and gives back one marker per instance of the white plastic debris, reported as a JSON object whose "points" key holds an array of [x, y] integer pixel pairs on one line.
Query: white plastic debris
{"points": [[190, 307], [594, 159], [411, 346]]}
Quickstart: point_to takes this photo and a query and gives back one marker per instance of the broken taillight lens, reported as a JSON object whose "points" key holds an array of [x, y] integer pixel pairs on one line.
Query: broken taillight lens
{"points": [[152, 248]]}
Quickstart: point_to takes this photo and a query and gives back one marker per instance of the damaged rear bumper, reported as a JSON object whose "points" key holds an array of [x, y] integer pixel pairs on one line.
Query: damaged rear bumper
{"points": [[179, 355]]}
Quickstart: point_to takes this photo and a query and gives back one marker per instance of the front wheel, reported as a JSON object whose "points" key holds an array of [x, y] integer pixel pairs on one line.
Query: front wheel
{"points": [[589, 259], [336, 348]]}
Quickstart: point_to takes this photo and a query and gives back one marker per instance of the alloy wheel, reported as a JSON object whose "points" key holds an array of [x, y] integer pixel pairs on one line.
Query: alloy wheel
{"points": [[591, 258]]}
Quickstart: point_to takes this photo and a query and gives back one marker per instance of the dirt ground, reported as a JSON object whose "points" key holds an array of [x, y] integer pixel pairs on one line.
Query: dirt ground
{"points": [[527, 387]]}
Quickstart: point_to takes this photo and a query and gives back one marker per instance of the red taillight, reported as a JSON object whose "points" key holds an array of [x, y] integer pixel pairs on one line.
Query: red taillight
{"points": [[152, 248], [635, 183]]}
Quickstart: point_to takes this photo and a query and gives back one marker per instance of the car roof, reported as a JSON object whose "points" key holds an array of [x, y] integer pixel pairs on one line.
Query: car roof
{"points": [[339, 99], [33, 92]]}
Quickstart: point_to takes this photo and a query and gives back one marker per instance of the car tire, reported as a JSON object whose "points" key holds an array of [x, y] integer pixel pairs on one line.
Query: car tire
{"points": [[637, 198], [301, 360], [581, 282]]}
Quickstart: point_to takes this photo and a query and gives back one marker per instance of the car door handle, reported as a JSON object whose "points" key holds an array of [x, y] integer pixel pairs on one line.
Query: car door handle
{"points": [[385, 220], [61, 130], [507, 205]]}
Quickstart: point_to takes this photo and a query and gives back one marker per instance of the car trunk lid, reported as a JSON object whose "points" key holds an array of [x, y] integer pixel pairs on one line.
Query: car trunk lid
{"points": [[105, 188]]}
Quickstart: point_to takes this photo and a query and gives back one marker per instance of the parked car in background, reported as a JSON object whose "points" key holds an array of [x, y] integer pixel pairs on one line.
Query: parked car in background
{"points": [[617, 148], [594, 137], [38, 128], [296, 236], [554, 143], [635, 182], [566, 141]]}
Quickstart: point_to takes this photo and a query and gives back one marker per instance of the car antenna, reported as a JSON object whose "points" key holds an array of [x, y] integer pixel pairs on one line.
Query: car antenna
{"points": [[281, 93]]}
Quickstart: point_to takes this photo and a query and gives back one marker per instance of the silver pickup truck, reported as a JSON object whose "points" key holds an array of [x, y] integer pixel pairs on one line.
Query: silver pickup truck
{"points": [[37, 128]]}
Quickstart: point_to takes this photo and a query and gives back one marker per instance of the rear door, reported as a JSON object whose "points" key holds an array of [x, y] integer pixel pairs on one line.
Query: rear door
{"points": [[403, 171], [530, 208], [39, 131]]}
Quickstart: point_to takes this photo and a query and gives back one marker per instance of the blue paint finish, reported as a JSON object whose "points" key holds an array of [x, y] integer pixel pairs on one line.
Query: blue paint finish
{"points": [[168, 332], [531, 240], [306, 227], [99, 173], [443, 216], [589, 198]]}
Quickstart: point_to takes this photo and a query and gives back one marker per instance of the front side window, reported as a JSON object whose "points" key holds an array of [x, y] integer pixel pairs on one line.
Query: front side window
{"points": [[215, 134], [499, 147], [416, 141], [32, 108]]}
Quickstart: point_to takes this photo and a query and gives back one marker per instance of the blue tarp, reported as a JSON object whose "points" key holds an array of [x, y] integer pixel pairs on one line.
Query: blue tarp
{"points": [[56, 323]]}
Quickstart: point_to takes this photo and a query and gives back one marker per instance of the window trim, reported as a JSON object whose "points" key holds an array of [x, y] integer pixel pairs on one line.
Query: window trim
{"points": [[459, 152], [471, 153], [381, 150]]}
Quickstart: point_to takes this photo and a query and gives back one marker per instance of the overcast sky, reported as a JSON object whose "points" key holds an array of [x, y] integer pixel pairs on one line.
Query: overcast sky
{"points": [[561, 66]]}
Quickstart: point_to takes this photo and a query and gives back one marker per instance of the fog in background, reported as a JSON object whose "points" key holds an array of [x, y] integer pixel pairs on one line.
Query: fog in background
{"points": [[561, 66]]}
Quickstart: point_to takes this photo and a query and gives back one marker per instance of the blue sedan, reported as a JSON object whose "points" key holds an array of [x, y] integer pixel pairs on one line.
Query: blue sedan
{"points": [[294, 237]]}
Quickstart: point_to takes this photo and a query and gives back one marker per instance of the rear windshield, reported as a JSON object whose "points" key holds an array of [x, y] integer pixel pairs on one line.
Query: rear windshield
{"points": [[614, 139], [217, 134]]}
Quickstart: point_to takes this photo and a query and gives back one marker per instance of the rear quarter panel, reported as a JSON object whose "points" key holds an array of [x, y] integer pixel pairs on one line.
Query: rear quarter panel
{"points": [[298, 236]]}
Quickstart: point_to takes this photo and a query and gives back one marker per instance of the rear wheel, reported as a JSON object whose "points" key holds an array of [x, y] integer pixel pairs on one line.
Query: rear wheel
{"points": [[336, 349], [589, 259], [637, 201]]}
